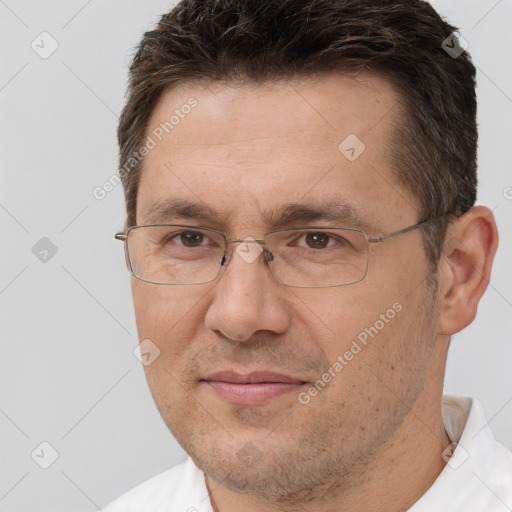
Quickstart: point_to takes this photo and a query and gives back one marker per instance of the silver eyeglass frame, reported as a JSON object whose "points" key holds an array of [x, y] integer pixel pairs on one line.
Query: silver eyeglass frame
{"points": [[123, 236]]}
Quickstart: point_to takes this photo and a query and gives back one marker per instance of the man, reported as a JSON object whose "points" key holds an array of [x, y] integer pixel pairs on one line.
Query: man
{"points": [[300, 179]]}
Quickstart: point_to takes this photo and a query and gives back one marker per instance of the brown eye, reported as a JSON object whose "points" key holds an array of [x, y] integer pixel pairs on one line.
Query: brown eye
{"points": [[317, 240], [190, 238]]}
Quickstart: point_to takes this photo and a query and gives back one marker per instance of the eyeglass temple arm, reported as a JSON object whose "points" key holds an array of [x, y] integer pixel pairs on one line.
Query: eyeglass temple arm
{"points": [[120, 236], [387, 236]]}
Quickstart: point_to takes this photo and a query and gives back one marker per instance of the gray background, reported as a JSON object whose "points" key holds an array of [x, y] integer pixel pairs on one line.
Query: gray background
{"points": [[68, 375]]}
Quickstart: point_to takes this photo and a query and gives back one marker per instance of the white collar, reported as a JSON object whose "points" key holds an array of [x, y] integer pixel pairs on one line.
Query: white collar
{"points": [[478, 477]]}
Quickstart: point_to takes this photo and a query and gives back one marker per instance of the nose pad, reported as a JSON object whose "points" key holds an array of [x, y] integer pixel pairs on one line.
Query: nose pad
{"points": [[267, 256]]}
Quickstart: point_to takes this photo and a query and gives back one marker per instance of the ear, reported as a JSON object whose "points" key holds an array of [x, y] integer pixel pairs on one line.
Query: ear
{"points": [[465, 268]]}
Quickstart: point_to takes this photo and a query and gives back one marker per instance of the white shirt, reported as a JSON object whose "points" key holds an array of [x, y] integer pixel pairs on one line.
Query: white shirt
{"points": [[477, 477]]}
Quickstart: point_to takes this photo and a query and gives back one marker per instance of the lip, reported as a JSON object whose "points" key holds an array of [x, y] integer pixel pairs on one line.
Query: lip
{"points": [[254, 388]]}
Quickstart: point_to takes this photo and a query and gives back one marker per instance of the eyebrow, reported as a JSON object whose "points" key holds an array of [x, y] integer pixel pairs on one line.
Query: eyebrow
{"points": [[329, 211], [333, 211], [165, 210]]}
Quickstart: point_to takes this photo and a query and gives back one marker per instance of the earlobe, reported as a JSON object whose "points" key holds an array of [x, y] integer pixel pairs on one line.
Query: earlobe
{"points": [[465, 267]]}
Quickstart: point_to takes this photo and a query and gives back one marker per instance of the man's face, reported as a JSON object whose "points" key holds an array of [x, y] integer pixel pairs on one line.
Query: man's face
{"points": [[252, 153]]}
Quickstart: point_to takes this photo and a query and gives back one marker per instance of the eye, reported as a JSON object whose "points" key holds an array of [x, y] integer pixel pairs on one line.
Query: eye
{"points": [[316, 240], [189, 239]]}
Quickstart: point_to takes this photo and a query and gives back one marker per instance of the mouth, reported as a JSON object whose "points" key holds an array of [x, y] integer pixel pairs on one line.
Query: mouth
{"points": [[254, 388]]}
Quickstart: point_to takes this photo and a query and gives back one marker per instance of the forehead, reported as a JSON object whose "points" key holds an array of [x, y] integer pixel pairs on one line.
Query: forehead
{"points": [[253, 147]]}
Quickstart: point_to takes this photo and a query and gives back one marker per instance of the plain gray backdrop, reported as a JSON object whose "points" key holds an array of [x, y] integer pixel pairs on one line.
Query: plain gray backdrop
{"points": [[68, 374]]}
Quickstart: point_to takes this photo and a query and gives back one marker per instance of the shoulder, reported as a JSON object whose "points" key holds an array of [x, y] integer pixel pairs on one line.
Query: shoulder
{"points": [[164, 492]]}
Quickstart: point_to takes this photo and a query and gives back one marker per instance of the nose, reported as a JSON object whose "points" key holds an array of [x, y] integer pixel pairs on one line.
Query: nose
{"points": [[247, 299]]}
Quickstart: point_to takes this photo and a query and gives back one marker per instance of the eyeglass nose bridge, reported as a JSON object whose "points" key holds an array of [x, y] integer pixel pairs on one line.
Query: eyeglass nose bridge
{"points": [[226, 258]]}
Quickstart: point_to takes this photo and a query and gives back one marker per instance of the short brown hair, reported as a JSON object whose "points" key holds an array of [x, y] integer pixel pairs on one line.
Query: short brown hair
{"points": [[435, 141]]}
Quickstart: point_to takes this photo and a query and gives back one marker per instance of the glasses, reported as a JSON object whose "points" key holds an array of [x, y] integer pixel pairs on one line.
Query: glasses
{"points": [[312, 257]]}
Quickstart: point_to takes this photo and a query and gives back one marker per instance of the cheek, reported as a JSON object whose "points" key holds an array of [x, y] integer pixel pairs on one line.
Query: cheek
{"points": [[377, 322], [168, 316], [337, 316]]}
